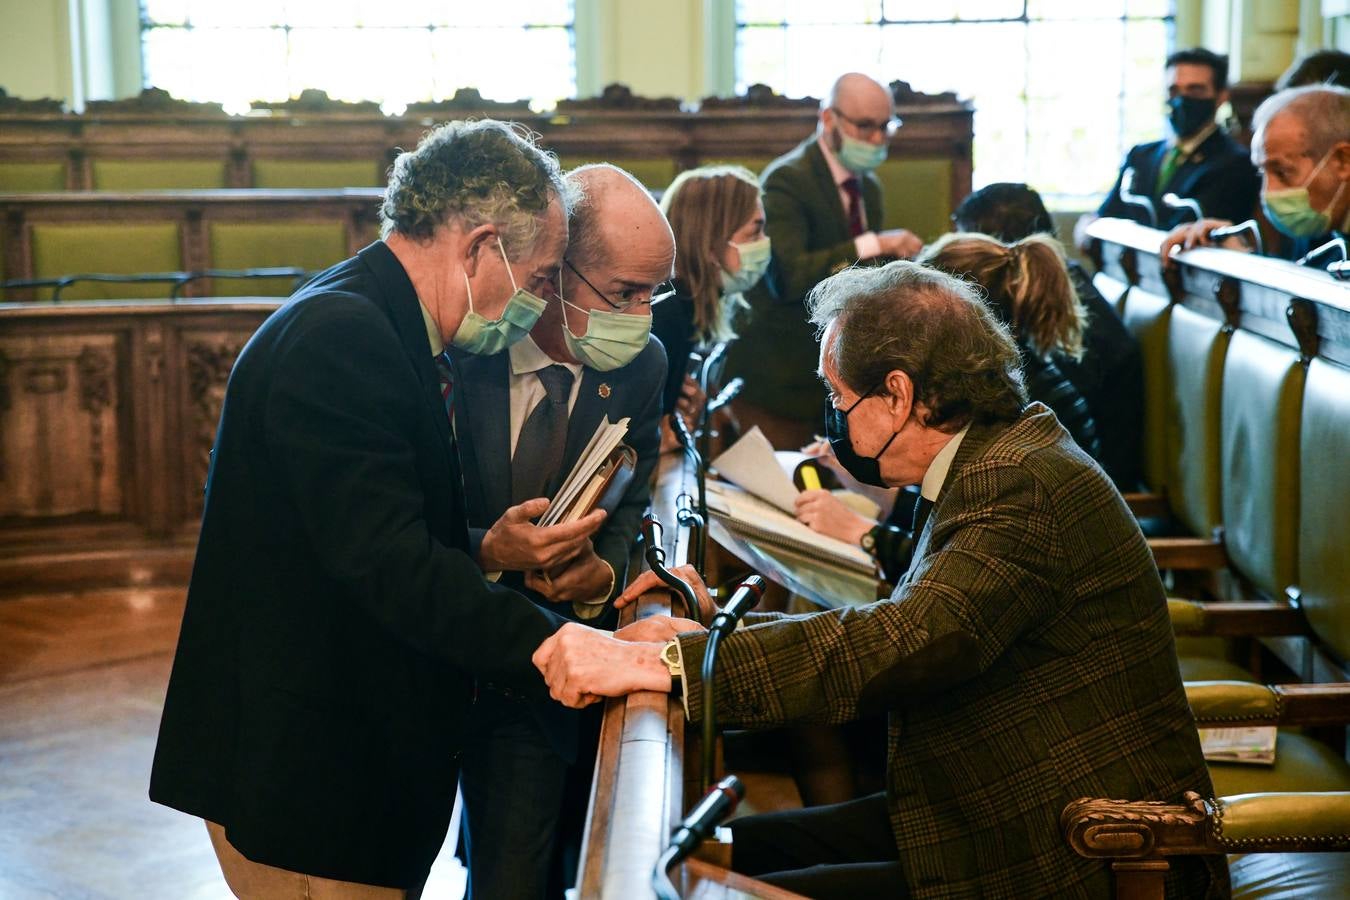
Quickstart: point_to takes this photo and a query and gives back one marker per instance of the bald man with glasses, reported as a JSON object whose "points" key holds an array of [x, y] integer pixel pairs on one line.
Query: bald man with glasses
{"points": [[822, 204], [522, 418]]}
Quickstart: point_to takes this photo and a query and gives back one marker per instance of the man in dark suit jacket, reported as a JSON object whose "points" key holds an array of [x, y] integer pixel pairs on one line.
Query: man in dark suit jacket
{"points": [[1197, 160], [335, 621], [822, 205], [516, 761], [1026, 658]]}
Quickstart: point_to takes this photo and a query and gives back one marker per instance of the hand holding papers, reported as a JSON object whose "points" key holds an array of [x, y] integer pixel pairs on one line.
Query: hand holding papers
{"points": [[598, 480]]}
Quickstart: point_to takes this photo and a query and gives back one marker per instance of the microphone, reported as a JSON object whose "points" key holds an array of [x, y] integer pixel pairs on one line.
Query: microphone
{"points": [[1247, 228], [686, 439], [655, 555], [726, 395], [651, 538], [742, 601], [718, 803], [1172, 201], [1127, 196], [746, 596], [1336, 243]]}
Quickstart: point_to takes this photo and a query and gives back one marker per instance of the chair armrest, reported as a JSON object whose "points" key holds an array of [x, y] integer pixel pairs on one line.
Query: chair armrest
{"points": [[1224, 703], [1147, 506], [1133, 829], [1238, 618], [1189, 553]]}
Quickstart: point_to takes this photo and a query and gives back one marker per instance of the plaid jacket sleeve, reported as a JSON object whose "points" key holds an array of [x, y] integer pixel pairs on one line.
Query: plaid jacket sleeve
{"points": [[981, 584]]}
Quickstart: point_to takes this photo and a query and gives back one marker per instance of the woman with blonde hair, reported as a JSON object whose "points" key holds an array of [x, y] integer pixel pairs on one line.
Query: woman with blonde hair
{"points": [[1027, 284], [721, 251]]}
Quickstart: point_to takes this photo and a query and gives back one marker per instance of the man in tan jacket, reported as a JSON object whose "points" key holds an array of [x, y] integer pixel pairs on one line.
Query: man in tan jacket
{"points": [[1025, 660]]}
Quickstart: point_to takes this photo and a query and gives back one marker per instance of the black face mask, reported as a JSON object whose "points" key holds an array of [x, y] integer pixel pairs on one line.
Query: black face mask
{"points": [[864, 469], [1190, 114]]}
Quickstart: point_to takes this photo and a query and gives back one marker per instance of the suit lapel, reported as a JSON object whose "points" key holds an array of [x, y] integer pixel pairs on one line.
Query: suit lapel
{"points": [[483, 420], [829, 191], [871, 188]]}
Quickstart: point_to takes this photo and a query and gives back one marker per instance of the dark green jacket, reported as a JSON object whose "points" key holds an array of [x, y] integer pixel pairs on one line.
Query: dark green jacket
{"points": [[777, 350], [1026, 660]]}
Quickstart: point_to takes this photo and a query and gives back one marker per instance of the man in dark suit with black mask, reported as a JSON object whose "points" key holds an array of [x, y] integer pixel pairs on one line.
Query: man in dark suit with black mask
{"points": [[1196, 161], [336, 622], [523, 418]]}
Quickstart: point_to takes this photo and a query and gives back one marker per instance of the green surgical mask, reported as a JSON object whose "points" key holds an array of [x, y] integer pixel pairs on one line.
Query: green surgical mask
{"points": [[1290, 210], [485, 337], [755, 257], [858, 156], [612, 339]]}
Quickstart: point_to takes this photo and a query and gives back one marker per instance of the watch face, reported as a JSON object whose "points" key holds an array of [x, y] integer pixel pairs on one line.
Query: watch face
{"points": [[869, 541]]}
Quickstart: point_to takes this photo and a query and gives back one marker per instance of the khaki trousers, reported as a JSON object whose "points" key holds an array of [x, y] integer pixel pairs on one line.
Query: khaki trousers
{"points": [[249, 880]]}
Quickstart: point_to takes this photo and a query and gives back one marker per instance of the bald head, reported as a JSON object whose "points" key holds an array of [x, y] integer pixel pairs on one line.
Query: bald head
{"points": [[857, 106], [861, 90], [615, 216]]}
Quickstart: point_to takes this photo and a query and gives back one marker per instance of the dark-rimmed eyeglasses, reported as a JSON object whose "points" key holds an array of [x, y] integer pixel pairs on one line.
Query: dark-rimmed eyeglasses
{"points": [[623, 304], [868, 127]]}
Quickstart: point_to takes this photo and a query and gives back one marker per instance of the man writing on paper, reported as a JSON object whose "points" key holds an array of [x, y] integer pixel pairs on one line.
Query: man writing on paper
{"points": [[335, 621], [523, 418], [1025, 660]]}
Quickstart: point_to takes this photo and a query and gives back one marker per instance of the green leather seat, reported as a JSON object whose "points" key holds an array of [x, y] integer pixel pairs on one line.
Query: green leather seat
{"points": [[118, 248], [1289, 876], [1146, 316], [655, 174], [1208, 663], [157, 174], [317, 173], [1196, 348], [1324, 504], [917, 194], [16, 177], [247, 245], [1301, 764]]}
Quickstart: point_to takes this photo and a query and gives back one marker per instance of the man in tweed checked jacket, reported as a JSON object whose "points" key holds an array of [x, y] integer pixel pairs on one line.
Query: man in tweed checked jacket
{"points": [[1025, 660]]}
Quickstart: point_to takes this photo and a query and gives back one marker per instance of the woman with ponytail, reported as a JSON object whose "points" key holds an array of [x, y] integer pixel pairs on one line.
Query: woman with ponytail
{"points": [[1027, 285], [720, 252]]}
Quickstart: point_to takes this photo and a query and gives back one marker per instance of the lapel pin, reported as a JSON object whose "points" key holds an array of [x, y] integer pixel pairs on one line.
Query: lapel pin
{"points": [[603, 391]]}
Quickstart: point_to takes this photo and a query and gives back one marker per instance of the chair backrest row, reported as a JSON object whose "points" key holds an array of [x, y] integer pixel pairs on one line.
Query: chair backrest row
{"points": [[1247, 409]]}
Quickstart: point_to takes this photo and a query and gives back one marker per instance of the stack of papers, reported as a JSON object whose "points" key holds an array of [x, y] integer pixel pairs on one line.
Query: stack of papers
{"points": [[758, 521], [753, 465], [592, 459], [1255, 745]]}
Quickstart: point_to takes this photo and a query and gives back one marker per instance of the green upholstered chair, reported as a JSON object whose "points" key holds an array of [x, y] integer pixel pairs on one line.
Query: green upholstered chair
{"points": [[246, 245], [157, 174], [113, 248], [917, 194], [313, 173], [1324, 504], [1147, 316], [1196, 347], [17, 177], [1280, 846]]}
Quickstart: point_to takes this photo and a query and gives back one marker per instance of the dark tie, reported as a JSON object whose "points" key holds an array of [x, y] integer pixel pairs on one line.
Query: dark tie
{"points": [[447, 389], [855, 207], [543, 438], [921, 511]]}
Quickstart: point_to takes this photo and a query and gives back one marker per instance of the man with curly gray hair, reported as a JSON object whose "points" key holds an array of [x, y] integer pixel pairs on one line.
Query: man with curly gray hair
{"points": [[336, 621]]}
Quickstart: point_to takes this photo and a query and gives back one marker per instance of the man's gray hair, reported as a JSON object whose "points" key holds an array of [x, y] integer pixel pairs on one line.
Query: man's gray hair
{"points": [[1322, 109], [589, 184], [964, 364], [474, 173]]}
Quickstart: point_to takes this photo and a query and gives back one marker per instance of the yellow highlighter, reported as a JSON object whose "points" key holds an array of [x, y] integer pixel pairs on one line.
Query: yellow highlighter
{"points": [[810, 478]]}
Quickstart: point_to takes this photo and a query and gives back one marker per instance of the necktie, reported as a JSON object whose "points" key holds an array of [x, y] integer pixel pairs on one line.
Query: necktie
{"points": [[1168, 168], [543, 438], [447, 390], [855, 207]]}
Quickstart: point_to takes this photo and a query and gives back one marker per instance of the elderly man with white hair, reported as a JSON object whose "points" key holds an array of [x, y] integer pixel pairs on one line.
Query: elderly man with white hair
{"points": [[1301, 144]]}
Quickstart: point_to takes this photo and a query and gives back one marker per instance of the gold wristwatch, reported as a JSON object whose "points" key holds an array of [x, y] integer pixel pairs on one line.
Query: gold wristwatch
{"points": [[670, 655]]}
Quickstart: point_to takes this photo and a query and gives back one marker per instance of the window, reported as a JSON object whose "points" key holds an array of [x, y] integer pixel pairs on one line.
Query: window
{"points": [[392, 51], [1062, 88]]}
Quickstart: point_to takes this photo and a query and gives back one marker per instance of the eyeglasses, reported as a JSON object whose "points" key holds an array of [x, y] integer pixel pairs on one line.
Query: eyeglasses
{"points": [[868, 127], [658, 293]]}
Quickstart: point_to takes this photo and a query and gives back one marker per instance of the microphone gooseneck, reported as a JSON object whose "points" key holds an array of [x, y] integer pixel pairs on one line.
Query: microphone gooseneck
{"points": [[719, 802], [746, 595]]}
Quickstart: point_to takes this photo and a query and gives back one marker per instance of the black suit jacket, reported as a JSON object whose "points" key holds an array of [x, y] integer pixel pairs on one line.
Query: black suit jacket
{"points": [[777, 350], [334, 621], [1218, 174]]}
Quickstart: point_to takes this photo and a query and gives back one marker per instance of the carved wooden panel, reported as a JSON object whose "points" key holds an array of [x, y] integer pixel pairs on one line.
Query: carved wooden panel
{"points": [[208, 357], [61, 434]]}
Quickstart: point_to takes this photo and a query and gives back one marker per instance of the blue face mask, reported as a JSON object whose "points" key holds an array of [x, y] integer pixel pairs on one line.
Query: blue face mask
{"points": [[858, 156], [485, 337]]}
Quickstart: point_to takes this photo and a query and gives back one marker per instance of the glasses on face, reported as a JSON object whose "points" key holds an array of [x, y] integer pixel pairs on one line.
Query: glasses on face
{"points": [[866, 128], [629, 298]]}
